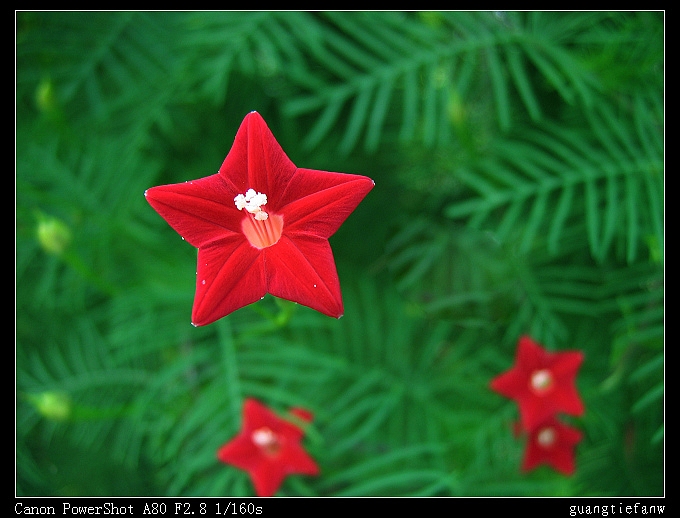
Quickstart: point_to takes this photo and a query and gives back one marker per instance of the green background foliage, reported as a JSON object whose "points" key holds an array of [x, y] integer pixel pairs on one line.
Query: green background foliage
{"points": [[519, 169]]}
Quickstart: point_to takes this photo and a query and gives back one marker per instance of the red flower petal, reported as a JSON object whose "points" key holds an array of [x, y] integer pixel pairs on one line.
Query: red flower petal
{"points": [[196, 209], [257, 161], [287, 255], [538, 404], [303, 270], [267, 467], [318, 202], [303, 414], [230, 275], [557, 451]]}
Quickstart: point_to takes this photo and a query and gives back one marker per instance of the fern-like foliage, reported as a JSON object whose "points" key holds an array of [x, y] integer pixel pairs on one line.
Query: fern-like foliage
{"points": [[391, 70], [553, 173], [113, 72], [267, 45], [519, 168]]}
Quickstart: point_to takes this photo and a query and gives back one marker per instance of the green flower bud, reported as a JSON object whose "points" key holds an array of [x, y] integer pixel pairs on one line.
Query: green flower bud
{"points": [[55, 406], [53, 234], [44, 96]]}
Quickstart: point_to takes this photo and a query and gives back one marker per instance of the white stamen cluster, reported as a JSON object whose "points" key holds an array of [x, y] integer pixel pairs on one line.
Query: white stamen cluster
{"points": [[252, 201], [541, 380], [546, 437], [264, 437], [266, 440]]}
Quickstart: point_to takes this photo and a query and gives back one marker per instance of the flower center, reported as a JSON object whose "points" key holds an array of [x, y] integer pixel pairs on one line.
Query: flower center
{"points": [[546, 437], [262, 229], [541, 381], [266, 440], [252, 201]]}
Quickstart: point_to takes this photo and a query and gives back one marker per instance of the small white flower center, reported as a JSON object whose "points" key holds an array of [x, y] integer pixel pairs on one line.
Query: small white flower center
{"points": [[546, 437], [252, 201], [266, 440], [541, 380], [264, 228]]}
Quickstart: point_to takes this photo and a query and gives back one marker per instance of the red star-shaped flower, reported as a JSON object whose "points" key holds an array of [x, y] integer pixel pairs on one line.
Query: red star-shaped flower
{"points": [[261, 225], [552, 443], [268, 448], [541, 382]]}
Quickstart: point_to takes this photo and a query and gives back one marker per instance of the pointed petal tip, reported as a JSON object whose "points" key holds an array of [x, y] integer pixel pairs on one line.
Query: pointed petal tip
{"points": [[201, 322], [302, 413]]}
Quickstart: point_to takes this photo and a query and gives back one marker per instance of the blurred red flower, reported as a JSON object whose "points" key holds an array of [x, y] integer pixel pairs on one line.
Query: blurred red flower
{"points": [[261, 225], [268, 448], [552, 443], [542, 383]]}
